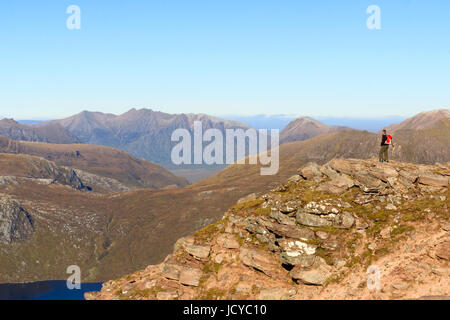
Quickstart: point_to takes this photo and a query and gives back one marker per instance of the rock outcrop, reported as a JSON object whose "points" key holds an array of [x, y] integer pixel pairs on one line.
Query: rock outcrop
{"points": [[16, 224], [320, 230]]}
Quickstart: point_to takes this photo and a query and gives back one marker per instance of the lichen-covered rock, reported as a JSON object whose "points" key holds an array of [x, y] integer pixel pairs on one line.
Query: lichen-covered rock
{"points": [[317, 274]]}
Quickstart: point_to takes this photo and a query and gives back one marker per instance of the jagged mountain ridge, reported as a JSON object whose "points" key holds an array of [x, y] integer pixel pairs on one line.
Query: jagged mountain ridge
{"points": [[313, 238], [143, 133]]}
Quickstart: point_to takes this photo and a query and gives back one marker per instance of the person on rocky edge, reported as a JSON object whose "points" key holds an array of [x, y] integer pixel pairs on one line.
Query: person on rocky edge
{"points": [[386, 141]]}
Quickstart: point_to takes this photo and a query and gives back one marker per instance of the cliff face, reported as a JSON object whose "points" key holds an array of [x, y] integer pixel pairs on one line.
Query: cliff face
{"points": [[15, 223], [314, 238]]}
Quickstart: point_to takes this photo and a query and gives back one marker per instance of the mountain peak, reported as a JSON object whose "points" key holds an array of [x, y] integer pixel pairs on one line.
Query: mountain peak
{"points": [[423, 120], [305, 128], [10, 121]]}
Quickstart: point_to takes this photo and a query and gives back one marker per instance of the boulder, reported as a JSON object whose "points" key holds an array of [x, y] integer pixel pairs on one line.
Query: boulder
{"points": [[323, 207], [200, 252], [317, 274], [190, 276], [260, 260], [443, 250], [433, 180], [171, 271], [294, 259], [289, 207], [310, 171], [367, 183], [338, 184], [281, 218], [322, 235], [341, 165], [344, 220], [383, 172], [255, 225], [227, 241], [296, 247], [312, 220], [289, 231], [180, 243]]}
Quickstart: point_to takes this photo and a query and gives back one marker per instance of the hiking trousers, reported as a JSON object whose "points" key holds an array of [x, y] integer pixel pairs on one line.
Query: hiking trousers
{"points": [[383, 156]]}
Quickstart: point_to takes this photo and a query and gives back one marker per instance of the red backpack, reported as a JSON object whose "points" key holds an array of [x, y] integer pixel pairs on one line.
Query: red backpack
{"points": [[388, 139]]}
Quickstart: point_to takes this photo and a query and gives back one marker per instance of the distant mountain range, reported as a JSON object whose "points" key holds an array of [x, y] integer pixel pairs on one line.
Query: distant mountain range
{"points": [[146, 133], [143, 133]]}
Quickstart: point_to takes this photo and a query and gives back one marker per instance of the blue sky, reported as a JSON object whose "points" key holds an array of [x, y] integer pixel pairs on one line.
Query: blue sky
{"points": [[244, 57]]}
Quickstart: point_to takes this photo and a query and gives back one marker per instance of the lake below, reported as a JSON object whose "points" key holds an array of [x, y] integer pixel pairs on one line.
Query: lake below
{"points": [[45, 290]]}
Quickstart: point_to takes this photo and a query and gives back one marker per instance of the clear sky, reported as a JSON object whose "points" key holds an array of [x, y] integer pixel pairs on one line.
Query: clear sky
{"points": [[244, 57]]}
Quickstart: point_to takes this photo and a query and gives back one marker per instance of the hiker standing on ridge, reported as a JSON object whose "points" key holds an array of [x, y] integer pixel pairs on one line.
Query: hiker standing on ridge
{"points": [[386, 140]]}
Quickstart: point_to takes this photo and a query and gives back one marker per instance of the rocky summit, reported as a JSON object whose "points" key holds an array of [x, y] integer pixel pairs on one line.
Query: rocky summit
{"points": [[318, 236]]}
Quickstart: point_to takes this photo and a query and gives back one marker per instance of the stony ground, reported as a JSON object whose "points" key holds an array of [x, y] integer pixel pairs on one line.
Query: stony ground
{"points": [[350, 229]]}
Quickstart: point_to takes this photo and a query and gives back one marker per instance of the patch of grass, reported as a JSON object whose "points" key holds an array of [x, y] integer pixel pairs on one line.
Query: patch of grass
{"points": [[247, 205], [262, 211], [381, 215], [213, 294], [205, 233], [325, 255], [141, 293], [401, 229], [211, 267], [153, 291]]}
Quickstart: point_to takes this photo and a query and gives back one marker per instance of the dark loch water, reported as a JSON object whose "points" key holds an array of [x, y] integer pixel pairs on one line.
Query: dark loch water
{"points": [[45, 290]]}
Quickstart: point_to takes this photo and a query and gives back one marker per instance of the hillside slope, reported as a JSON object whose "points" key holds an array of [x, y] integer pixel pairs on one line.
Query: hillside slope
{"points": [[103, 161], [314, 237]]}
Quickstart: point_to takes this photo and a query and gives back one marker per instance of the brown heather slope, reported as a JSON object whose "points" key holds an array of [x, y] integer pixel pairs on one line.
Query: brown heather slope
{"points": [[99, 160], [314, 237]]}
